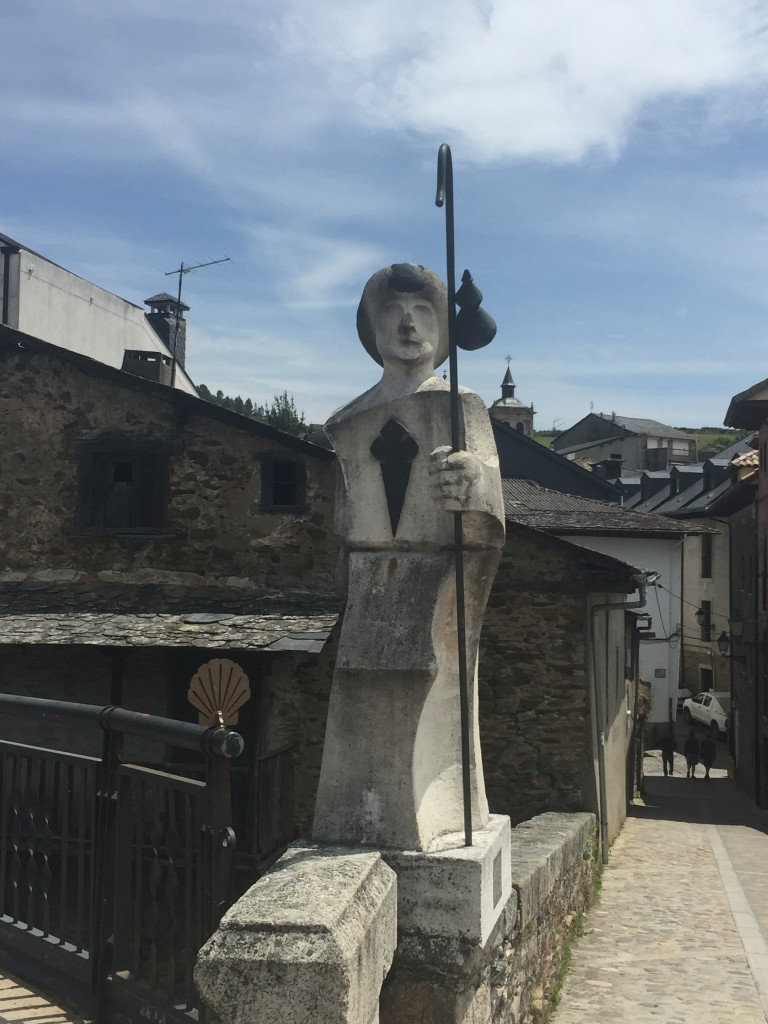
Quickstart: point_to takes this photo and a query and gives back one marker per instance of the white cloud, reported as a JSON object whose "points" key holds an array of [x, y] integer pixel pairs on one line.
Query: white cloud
{"points": [[526, 78], [314, 271]]}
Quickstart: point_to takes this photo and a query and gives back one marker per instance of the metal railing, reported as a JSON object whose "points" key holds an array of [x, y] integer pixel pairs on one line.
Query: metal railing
{"points": [[112, 875]]}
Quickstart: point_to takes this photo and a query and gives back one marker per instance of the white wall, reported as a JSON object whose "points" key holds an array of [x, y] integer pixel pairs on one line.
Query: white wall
{"points": [[698, 653], [611, 703], [63, 309], [659, 658]]}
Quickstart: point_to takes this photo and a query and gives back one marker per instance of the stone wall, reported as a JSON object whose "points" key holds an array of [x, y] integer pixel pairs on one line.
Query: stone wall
{"points": [[294, 710], [534, 721], [513, 978], [215, 528]]}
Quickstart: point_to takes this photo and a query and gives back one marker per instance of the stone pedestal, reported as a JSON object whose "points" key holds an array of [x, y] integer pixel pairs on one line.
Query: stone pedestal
{"points": [[309, 943], [455, 891]]}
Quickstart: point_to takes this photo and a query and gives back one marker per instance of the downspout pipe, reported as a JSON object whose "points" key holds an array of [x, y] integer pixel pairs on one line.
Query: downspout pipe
{"points": [[643, 581], [7, 251]]}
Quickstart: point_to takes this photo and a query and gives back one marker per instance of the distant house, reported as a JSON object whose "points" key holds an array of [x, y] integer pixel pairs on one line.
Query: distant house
{"points": [[706, 494], [638, 444], [648, 541], [144, 533], [46, 301], [522, 458]]}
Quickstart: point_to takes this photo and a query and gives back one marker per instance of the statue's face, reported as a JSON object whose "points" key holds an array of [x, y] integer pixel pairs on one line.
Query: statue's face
{"points": [[407, 330]]}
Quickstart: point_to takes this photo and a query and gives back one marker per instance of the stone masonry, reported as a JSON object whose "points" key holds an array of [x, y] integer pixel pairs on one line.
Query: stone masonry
{"points": [[533, 686], [216, 530], [510, 980]]}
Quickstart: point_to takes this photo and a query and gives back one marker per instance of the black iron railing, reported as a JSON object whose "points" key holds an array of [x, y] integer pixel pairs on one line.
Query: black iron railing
{"points": [[112, 875]]}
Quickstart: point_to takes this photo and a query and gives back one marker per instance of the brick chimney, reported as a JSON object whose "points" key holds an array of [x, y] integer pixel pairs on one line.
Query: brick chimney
{"points": [[166, 315]]}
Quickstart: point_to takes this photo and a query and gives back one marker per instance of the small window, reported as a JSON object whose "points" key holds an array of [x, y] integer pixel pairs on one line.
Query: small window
{"points": [[122, 487], [706, 556], [282, 484]]}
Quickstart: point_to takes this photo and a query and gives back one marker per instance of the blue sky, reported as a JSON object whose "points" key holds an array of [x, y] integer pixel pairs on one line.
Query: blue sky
{"points": [[611, 174]]}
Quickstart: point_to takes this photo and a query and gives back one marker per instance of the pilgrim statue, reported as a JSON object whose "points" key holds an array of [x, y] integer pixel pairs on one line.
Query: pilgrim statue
{"points": [[391, 773]]}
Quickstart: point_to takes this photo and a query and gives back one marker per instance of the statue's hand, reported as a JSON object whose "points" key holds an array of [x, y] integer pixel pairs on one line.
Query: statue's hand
{"points": [[454, 478]]}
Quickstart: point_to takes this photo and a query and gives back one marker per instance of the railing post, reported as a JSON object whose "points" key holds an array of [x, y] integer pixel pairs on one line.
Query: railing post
{"points": [[104, 853], [219, 838]]}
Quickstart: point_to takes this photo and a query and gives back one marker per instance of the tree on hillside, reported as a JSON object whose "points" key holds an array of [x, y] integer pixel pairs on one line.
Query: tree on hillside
{"points": [[280, 413]]}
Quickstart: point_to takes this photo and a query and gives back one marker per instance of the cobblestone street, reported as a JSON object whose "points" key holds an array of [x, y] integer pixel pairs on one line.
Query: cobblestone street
{"points": [[679, 931]]}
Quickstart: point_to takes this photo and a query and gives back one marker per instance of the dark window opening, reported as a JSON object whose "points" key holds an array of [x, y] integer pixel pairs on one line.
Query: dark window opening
{"points": [[706, 622], [122, 489], [123, 472], [520, 427], [705, 678], [283, 484], [706, 556]]}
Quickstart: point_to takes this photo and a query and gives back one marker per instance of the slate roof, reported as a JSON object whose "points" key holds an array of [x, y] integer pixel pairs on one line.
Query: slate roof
{"points": [[35, 611], [648, 427], [692, 500], [244, 632], [528, 504]]}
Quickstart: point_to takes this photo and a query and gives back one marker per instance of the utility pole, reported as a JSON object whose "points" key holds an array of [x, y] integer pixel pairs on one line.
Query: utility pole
{"points": [[181, 272]]}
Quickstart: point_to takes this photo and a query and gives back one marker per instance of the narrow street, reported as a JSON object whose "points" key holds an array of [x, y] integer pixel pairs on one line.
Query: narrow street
{"points": [[679, 930]]}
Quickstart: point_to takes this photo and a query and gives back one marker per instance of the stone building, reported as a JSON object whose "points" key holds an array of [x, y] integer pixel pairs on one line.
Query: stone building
{"points": [[559, 662], [145, 532]]}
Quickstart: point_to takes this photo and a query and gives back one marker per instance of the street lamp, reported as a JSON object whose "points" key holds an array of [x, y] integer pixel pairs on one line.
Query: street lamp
{"points": [[724, 642]]}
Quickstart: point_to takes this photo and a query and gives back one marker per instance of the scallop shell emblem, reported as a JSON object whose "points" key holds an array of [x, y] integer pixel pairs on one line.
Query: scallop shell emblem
{"points": [[218, 690]]}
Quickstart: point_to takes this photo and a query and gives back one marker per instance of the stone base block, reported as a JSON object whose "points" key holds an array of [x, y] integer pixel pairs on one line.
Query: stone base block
{"points": [[455, 891], [309, 943]]}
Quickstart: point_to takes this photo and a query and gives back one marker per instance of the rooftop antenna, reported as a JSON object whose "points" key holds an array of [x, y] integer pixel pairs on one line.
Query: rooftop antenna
{"points": [[181, 272]]}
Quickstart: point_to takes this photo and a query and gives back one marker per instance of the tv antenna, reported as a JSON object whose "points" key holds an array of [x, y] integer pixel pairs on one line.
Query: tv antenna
{"points": [[181, 272]]}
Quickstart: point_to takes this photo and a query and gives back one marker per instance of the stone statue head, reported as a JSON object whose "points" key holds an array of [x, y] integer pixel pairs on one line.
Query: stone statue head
{"points": [[403, 316]]}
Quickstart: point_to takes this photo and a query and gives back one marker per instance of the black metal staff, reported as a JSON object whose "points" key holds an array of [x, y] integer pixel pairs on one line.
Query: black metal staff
{"points": [[471, 329]]}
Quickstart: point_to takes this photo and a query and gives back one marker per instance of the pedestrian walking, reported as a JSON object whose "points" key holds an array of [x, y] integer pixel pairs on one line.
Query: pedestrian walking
{"points": [[691, 751], [668, 746], [708, 750]]}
